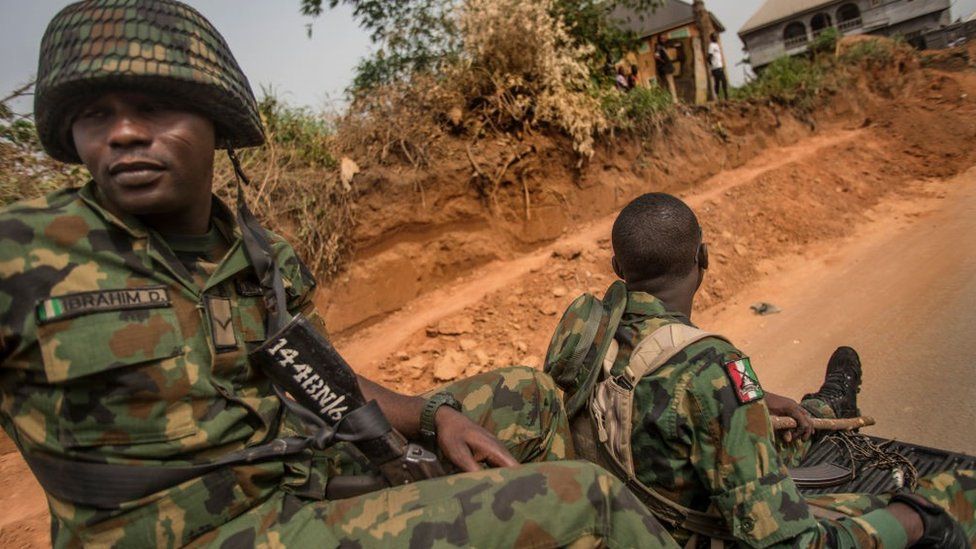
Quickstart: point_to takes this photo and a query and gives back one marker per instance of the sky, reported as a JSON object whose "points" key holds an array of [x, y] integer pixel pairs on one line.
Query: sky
{"points": [[269, 40]]}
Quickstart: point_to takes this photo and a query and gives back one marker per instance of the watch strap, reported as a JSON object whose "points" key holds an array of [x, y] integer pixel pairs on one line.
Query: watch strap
{"points": [[428, 429]]}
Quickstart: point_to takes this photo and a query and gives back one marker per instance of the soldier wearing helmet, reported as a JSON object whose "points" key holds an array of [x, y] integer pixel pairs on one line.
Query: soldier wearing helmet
{"points": [[127, 307]]}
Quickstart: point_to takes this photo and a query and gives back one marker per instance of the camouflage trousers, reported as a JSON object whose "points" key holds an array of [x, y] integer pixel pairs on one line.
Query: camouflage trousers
{"points": [[545, 503], [953, 491]]}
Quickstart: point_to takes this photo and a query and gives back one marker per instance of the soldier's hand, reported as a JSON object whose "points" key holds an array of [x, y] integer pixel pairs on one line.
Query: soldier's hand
{"points": [[785, 406], [466, 443]]}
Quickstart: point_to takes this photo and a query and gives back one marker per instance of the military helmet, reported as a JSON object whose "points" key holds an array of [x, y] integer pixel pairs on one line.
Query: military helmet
{"points": [[156, 46]]}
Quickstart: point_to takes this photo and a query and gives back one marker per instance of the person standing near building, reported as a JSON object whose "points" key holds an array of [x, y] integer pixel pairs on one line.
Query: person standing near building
{"points": [[665, 67], [717, 63]]}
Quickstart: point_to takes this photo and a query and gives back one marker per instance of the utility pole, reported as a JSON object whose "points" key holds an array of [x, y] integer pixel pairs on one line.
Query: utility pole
{"points": [[704, 22]]}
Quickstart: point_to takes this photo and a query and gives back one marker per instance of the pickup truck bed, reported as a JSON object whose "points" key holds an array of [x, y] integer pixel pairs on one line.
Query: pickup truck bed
{"points": [[878, 481]]}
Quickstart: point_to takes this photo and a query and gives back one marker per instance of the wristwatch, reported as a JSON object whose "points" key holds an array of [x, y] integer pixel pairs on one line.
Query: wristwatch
{"points": [[428, 430]]}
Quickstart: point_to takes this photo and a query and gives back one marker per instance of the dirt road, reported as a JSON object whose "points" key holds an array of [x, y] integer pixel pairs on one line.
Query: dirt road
{"points": [[903, 293]]}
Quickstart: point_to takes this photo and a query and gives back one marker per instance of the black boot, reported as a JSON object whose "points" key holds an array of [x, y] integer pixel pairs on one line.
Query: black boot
{"points": [[842, 383]]}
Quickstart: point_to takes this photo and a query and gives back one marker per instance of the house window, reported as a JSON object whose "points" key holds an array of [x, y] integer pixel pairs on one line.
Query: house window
{"points": [[848, 17], [795, 35], [820, 23]]}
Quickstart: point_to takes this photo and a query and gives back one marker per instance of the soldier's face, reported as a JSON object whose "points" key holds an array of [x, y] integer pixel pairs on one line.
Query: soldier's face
{"points": [[147, 156]]}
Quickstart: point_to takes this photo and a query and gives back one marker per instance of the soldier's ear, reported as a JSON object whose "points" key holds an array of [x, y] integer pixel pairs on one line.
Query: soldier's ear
{"points": [[616, 268], [702, 257]]}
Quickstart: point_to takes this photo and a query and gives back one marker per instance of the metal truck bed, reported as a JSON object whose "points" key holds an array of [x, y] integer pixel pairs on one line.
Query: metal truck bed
{"points": [[878, 481]]}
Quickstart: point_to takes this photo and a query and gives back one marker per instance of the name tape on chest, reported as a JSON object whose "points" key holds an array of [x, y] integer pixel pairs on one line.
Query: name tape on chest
{"points": [[745, 383], [82, 303]]}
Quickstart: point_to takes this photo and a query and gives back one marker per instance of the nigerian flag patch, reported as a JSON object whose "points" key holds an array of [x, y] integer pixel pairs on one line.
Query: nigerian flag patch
{"points": [[744, 380]]}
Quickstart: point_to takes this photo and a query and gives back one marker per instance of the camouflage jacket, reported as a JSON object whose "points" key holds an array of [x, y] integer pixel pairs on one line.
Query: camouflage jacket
{"points": [[704, 439], [110, 352]]}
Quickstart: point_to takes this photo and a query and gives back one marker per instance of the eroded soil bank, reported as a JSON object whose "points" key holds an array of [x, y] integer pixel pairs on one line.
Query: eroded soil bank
{"points": [[799, 186]]}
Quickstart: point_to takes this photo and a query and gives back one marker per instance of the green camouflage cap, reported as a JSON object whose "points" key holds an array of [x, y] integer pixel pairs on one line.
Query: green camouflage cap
{"points": [[159, 46], [580, 342]]}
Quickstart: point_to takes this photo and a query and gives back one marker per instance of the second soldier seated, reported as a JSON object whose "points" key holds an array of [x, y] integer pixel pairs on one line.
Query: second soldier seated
{"points": [[681, 415]]}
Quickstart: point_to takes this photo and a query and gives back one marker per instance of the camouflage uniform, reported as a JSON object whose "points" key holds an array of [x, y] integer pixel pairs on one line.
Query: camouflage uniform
{"points": [[120, 347], [698, 445], [116, 351]]}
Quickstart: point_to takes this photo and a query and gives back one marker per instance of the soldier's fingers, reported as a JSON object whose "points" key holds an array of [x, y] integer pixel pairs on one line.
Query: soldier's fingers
{"points": [[805, 426], [490, 450], [461, 456], [499, 456]]}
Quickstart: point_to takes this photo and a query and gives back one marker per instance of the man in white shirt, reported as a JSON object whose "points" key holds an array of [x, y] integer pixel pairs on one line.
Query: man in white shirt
{"points": [[717, 63]]}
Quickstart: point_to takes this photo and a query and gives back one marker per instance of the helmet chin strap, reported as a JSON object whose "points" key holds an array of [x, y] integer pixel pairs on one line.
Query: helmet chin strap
{"points": [[259, 252]]}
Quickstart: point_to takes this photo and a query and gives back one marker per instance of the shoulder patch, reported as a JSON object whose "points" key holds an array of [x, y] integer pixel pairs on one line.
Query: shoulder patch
{"points": [[124, 299], [744, 380]]}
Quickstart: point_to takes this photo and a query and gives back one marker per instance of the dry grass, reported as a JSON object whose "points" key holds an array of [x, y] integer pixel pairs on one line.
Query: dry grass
{"points": [[519, 70], [296, 189], [308, 206], [522, 69], [399, 122], [26, 172]]}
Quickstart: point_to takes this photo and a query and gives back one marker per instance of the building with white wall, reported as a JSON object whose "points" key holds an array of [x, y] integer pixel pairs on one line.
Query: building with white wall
{"points": [[787, 27]]}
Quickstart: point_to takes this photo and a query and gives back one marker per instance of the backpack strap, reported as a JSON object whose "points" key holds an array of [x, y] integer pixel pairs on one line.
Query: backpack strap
{"points": [[612, 412], [661, 346]]}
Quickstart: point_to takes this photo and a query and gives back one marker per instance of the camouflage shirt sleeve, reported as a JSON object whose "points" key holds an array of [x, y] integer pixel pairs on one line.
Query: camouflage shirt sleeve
{"points": [[736, 459], [299, 281], [735, 455]]}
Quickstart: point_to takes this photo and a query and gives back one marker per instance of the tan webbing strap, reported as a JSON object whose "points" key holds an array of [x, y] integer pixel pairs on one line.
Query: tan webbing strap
{"points": [[661, 346], [651, 353], [611, 411]]}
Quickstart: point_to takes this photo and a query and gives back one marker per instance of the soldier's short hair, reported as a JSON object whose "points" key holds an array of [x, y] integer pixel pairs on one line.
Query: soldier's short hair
{"points": [[656, 237]]}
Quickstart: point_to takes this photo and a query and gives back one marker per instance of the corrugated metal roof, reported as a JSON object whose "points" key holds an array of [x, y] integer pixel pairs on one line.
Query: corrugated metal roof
{"points": [[674, 13], [776, 10]]}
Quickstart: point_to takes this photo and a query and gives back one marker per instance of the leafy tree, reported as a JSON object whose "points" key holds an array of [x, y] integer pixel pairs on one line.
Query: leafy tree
{"points": [[421, 35], [411, 35], [591, 23]]}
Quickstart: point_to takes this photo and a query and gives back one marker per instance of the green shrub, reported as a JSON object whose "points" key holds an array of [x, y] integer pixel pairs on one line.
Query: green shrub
{"points": [[870, 53], [795, 81], [641, 109], [306, 135], [825, 42]]}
